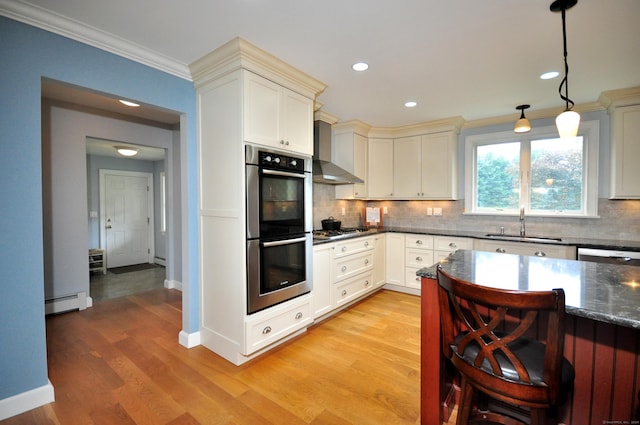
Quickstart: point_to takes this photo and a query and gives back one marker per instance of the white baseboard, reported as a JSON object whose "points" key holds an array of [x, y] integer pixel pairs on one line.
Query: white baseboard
{"points": [[26, 401], [173, 284], [189, 340], [160, 261], [78, 301]]}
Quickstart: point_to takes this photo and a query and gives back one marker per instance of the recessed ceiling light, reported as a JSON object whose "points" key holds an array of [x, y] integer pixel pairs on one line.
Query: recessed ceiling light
{"points": [[129, 103], [360, 66], [410, 104], [549, 75]]}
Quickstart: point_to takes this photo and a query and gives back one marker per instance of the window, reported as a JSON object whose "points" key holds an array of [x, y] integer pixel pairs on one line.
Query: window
{"points": [[538, 171], [163, 202]]}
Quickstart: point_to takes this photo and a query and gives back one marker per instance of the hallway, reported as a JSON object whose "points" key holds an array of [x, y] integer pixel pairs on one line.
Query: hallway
{"points": [[112, 285]]}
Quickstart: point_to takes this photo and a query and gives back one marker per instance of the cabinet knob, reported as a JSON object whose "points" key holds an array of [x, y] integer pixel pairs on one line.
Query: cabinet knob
{"points": [[540, 254], [418, 258], [501, 250], [418, 242], [344, 292], [366, 244], [417, 278], [366, 261], [266, 330], [344, 248], [299, 315], [344, 268], [453, 245], [366, 283]]}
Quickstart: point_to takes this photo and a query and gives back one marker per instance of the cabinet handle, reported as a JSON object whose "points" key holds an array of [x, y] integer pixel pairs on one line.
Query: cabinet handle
{"points": [[540, 254], [418, 258], [418, 242], [501, 250], [366, 261], [299, 315], [344, 248], [417, 279], [366, 244], [284, 142], [344, 292], [344, 268], [266, 330], [366, 283], [453, 245]]}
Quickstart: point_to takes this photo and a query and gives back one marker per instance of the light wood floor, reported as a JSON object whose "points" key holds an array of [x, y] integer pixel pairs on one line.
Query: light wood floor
{"points": [[119, 362]]}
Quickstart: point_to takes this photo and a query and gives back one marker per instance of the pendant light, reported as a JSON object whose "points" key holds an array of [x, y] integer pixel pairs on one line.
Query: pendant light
{"points": [[522, 125], [568, 121]]}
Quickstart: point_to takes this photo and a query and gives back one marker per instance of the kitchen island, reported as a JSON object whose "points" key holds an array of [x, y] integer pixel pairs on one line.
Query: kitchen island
{"points": [[602, 330]]}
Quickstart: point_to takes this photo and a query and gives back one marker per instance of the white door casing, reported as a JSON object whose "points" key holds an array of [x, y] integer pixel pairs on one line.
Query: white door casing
{"points": [[126, 217]]}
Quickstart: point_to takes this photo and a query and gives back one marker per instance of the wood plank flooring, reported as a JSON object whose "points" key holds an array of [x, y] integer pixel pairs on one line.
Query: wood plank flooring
{"points": [[119, 362]]}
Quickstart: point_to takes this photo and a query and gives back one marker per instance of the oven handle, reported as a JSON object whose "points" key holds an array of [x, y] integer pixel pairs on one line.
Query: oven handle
{"points": [[283, 173], [284, 242]]}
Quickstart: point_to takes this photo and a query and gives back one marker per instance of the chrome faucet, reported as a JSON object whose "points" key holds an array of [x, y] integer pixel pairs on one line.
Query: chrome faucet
{"points": [[522, 230]]}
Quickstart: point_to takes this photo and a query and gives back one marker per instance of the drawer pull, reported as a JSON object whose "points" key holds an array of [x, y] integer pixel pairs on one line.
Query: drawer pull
{"points": [[366, 244], [344, 268], [344, 248], [266, 330], [540, 254], [299, 315], [417, 278], [366, 261], [418, 242], [366, 283], [501, 250], [344, 292], [453, 245], [418, 258]]}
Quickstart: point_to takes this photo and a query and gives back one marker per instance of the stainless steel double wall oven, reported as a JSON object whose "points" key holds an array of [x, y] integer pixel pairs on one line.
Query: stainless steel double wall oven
{"points": [[279, 227]]}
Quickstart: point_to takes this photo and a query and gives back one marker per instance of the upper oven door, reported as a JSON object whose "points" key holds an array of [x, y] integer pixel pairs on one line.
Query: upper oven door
{"points": [[278, 203]]}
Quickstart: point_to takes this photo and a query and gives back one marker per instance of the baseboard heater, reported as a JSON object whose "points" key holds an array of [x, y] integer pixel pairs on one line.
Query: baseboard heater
{"points": [[77, 301]]}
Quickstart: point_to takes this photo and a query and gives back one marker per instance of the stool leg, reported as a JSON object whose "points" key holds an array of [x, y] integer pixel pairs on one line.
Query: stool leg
{"points": [[466, 402]]}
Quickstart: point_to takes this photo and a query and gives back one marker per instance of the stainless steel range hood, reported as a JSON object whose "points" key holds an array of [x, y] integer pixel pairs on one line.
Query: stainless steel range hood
{"points": [[324, 171]]}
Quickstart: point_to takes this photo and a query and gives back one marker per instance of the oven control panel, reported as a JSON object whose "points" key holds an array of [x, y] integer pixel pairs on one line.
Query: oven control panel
{"points": [[281, 162]]}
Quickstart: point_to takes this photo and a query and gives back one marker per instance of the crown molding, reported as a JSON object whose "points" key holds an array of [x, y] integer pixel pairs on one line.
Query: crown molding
{"points": [[78, 31], [621, 97]]}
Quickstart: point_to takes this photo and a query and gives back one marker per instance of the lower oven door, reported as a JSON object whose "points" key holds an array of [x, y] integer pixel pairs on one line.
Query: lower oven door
{"points": [[277, 271]]}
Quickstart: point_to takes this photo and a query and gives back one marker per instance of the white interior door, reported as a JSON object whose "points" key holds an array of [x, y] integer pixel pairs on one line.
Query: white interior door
{"points": [[126, 217]]}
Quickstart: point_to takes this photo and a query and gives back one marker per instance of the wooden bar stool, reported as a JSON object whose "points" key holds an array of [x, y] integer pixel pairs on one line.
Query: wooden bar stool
{"points": [[498, 354]]}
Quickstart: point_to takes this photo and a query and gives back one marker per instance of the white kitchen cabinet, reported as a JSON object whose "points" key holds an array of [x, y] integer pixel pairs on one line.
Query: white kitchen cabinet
{"points": [[445, 245], [349, 151], [350, 289], [276, 116], [523, 248], [353, 267], [322, 279], [395, 258], [418, 254], [407, 167], [380, 171], [625, 153], [439, 166], [379, 269]]}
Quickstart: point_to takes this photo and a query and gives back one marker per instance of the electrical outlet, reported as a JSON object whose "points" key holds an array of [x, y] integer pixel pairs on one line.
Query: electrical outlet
{"points": [[437, 211], [385, 210], [429, 211], [344, 211]]}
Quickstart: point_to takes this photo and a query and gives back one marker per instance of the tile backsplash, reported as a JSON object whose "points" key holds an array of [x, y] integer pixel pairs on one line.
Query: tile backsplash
{"points": [[618, 219]]}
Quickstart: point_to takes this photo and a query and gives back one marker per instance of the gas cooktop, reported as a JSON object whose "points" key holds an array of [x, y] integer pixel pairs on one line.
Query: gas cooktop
{"points": [[339, 234]]}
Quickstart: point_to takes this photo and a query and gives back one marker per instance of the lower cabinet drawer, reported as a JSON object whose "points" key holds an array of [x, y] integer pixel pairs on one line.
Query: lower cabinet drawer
{"points": [[352, 288], [352, 265], [276, 323], [418, 258], [411, 280]]}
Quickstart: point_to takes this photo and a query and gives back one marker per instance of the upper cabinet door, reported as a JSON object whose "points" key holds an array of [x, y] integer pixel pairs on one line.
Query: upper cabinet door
{"points": [[406, 167], [380, 173], [625, 153], [276, 116], [439, 166]]}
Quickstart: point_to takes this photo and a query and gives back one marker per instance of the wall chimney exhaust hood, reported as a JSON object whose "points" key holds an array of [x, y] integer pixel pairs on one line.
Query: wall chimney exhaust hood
{"points": [[324, 171]]}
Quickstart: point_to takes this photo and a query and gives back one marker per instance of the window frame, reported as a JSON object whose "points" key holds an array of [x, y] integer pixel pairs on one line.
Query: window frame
{"points": [[589, 130]]}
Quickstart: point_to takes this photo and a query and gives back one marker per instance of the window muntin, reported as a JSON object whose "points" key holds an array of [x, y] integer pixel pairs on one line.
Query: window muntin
{"points": [[538, 171]]}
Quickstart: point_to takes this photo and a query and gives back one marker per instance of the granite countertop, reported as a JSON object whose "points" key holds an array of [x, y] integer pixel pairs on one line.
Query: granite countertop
{"points": [[614, 244], [602, 292]]}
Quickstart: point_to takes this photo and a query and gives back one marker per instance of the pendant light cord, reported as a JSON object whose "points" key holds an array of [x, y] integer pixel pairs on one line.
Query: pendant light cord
{"points": [[565, 81]]}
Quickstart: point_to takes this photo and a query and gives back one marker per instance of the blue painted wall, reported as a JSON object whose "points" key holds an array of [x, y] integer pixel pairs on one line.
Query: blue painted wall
{"points": [[26, 55]]}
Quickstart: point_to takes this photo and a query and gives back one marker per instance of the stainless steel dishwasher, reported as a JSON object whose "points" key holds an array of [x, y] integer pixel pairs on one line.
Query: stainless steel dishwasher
{"points": [[609, 256]]}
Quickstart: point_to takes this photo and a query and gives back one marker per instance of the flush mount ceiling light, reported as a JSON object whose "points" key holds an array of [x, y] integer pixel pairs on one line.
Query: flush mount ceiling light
{"points": [[126, 151], [568, 121], [410, 104], [522, 125], [129, 103], [360, 66]]}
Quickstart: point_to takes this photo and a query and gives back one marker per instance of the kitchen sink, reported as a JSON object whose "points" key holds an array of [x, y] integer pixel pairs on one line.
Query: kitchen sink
{"points": [[523, 238]]}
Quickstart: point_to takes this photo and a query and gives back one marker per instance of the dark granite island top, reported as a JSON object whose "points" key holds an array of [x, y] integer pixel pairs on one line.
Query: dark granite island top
{"points": [[602, 292], [602, 338]]}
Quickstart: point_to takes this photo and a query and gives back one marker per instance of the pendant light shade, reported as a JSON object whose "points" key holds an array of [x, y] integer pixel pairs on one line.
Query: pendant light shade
{"points": [[522, 125], [568, 121]]}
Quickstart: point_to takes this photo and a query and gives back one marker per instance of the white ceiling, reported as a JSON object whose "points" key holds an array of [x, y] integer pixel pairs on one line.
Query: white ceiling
{"points": [[469, 58]]}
